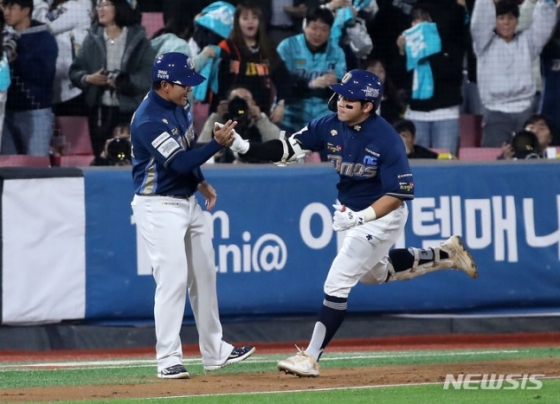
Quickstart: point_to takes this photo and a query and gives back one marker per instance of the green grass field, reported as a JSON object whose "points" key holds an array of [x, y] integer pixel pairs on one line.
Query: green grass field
{"points": [[141, 371]]}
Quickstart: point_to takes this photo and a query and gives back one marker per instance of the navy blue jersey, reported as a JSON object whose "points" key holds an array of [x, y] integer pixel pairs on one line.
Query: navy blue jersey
{"points": [[370, 158], [160, 130]]}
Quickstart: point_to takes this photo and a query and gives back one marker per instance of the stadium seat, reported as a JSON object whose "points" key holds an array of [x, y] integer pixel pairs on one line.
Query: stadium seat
{"points": [[470, 130], [440, 151], [20, 160], [75, 131], [76, 161], [479, 153], [152, 22]]}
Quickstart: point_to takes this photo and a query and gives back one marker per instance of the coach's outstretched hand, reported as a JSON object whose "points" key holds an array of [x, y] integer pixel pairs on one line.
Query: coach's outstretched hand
{"points": [[223, 134]]}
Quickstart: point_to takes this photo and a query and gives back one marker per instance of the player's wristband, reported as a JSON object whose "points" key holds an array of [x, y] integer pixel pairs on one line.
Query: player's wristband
{"points": [[368, 214]]}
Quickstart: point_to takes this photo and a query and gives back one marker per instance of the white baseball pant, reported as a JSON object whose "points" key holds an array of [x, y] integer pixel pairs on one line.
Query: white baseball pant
{"points": [[179, 245]]}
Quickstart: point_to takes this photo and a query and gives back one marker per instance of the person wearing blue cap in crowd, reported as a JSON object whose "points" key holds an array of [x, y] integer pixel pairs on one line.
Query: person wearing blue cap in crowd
{"points": [[166, 172]]}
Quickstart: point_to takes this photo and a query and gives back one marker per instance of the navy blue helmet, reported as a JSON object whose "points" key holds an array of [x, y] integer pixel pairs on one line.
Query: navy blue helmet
{"points": [[359, 84], [176, 67]]}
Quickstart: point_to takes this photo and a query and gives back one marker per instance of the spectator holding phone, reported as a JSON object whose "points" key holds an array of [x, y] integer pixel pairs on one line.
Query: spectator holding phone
{"points": [[113, 68]]}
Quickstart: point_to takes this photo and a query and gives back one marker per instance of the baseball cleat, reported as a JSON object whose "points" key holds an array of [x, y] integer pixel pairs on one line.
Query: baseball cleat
{"points": [[302, 364], [460, 256], [237, 355], [174, 372]]}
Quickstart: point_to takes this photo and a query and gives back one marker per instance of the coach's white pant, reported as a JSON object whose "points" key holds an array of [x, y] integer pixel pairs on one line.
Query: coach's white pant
{"points": [[180, 248], [364, 255]]}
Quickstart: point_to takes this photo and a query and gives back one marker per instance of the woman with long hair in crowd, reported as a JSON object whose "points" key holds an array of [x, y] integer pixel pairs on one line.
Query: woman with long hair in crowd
{"points": [[249, 60]]}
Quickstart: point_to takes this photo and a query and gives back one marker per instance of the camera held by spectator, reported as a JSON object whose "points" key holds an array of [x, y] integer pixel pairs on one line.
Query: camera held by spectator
{"points": [[525, 146], [238, 110], [118, 149], [114, 77]]}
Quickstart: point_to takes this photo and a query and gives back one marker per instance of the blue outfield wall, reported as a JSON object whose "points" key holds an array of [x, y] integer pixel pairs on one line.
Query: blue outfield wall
{"points": [[274, 243]]}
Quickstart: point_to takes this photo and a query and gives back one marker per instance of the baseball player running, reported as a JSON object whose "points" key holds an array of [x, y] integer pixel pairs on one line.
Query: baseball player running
{"points": [[375, 180], [166, 171]]}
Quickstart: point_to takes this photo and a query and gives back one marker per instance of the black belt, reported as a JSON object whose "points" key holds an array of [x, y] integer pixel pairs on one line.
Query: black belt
{"points": [[170, 196]]}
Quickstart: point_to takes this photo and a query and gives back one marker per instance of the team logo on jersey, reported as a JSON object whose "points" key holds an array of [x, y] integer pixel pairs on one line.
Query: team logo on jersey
{"points": [[346, 77], [334, 132], [333, 148], [366, 169], [165, 121], [370, 160], [406, 186], [371, 92]]}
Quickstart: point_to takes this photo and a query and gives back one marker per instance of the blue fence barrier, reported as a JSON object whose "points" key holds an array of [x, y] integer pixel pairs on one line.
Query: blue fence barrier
{"points": [[274, 243]]}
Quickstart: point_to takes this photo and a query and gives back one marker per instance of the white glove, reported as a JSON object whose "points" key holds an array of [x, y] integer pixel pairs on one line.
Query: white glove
{"points": [[345, 218], [239, 145]]}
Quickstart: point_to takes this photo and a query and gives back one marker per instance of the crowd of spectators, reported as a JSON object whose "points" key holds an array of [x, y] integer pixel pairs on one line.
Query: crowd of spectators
{"points": [[269, 64]]}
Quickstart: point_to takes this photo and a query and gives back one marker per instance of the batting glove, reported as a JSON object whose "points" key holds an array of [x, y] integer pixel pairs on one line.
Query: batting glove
{"points": [[239, 145], [345, 218]]}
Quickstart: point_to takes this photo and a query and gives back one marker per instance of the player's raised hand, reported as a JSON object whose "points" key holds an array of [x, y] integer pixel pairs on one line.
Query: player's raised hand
{"points": [[345, 218], [224, 133]]}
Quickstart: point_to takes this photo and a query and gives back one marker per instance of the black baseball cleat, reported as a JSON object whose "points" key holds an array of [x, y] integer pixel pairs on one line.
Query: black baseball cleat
{"points": [[174, 372], [237, 355]]}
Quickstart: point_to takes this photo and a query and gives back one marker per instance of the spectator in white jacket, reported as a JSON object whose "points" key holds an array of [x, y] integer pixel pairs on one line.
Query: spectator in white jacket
{"points": [[504, 74], [40, 10], [69, 21]]}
